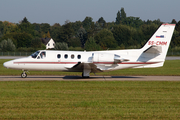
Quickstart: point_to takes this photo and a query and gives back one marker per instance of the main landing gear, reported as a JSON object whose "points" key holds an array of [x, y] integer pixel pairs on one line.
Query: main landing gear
{"points": [[83, 76], [85, 73], [23, 75]]}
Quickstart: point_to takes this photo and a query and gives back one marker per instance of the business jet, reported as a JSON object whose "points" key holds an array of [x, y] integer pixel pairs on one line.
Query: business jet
{"points": [[151, 55]]}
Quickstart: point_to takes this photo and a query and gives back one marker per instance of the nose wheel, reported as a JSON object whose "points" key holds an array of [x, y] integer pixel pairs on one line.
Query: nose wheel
{"points": [[24, 75]]}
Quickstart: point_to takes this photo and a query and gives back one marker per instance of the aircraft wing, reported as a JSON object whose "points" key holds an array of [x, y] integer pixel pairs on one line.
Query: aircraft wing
{"points": [[98, 63], [79, 67]]}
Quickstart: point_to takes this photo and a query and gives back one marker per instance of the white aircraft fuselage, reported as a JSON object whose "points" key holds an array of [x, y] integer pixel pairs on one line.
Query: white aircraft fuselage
{"points": [[151, 55]]}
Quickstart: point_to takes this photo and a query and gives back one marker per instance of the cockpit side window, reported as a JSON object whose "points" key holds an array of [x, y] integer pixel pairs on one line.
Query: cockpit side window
{"points": [[43, 55], [34, 55]]}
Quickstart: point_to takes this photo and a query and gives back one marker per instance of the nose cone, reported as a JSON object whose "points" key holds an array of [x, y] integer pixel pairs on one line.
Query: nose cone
{"points": [[8, 64]]}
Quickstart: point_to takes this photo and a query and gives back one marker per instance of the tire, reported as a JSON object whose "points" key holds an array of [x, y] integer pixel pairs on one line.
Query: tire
{"points": [[24, 75], [84, 76]]}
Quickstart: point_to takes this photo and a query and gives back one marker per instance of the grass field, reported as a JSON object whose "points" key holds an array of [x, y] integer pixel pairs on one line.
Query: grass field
{"points": [[89, 100], [171, 67], [92, 99]]}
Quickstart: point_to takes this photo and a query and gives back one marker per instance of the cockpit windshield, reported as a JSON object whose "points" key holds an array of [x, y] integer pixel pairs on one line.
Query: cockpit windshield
{"points": [[34, 55]]}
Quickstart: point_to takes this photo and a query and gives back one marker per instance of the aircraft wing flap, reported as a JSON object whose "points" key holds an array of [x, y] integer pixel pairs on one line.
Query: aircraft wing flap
{"points": [[94, 68]]}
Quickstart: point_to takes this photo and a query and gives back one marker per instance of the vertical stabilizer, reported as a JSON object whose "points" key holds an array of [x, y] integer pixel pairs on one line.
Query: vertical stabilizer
{"points": [[157, 46]]}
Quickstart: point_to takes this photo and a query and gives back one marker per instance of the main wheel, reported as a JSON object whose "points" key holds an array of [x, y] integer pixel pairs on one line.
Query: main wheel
{"points": [[23, 75], [84, 76]]}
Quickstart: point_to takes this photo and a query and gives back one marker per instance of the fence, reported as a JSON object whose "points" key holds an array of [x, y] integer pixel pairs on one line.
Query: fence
{"points": [[171, 53]]}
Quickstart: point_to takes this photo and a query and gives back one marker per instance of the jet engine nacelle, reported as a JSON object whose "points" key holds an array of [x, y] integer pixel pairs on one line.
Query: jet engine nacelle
{"points": [[106, 57]]}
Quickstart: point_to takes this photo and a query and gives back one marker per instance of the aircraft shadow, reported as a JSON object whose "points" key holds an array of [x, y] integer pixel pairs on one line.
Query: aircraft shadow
{"points": [[125, 77], [77, 77], [97, 77]]}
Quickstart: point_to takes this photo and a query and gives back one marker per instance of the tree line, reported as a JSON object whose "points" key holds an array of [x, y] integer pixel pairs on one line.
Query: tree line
{"points": [[124, 32]]}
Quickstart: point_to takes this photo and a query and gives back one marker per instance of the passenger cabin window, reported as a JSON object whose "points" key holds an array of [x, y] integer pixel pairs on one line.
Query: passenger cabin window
{"points": [[59, 56], [65, 56], [79, 56], [72, 56]]}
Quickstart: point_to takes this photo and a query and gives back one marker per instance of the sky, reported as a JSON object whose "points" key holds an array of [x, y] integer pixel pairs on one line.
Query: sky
{"points": [[58, 11]]}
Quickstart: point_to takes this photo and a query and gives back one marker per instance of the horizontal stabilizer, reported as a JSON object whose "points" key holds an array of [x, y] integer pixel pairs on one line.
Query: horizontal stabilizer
{"points": [[154, 49], [118, 59]]}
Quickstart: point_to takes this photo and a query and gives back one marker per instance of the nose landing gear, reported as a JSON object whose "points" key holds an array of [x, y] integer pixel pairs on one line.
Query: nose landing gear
{"points": [[23, 75]]}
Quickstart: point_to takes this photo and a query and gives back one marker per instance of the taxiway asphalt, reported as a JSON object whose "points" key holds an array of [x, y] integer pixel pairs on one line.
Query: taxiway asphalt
{"points": [[91, 78]]}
